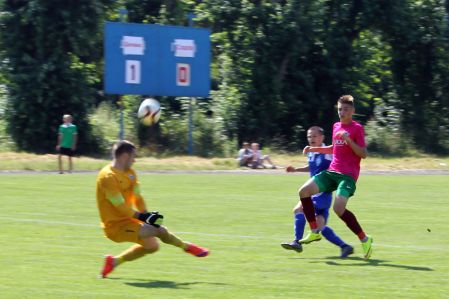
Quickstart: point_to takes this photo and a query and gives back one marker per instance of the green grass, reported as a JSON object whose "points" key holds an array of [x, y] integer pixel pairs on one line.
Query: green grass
{"points": [[52, 246]]}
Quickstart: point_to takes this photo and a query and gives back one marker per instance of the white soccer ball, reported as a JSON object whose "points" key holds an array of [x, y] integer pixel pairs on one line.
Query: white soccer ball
{"points": [[149, 112]]}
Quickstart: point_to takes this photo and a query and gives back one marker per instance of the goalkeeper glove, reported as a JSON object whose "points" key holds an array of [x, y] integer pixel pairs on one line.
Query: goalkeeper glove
{"points": [[153, 218]]}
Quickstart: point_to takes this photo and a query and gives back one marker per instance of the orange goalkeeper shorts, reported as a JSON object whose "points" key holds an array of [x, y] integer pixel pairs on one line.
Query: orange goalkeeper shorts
{"points": [[124, 231]]}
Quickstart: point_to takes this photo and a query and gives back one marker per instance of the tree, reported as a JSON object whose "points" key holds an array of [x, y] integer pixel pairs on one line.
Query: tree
{"points": [[52, 65], [290, 60], [416, 31], [278, 66]]}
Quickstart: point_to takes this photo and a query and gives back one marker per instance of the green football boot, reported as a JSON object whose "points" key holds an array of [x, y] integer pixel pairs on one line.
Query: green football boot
{"points": [[311, 237], [367, 247]]}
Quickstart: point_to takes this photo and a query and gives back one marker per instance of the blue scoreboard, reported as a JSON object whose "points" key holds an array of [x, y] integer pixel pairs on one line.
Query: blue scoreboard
{"points": [[156, 60]]}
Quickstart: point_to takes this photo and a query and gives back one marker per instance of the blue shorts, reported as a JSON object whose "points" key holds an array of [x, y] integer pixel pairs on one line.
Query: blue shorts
{"points": [[322, 202]]}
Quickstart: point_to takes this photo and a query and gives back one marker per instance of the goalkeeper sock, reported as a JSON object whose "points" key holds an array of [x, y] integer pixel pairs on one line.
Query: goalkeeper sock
{"points": [[118, 261], [171, 239], [132, 253]]}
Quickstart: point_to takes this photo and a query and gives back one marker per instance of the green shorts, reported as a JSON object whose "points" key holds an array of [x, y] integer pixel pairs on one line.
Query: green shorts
{"points": [[329, 181]]}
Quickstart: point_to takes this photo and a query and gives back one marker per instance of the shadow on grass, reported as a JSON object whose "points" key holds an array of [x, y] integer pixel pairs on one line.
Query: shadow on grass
{"points": [[164, 284], [358, 261], [161, 284]]}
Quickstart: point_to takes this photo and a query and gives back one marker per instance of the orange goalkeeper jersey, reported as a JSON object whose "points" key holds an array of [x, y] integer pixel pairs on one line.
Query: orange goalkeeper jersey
{"points": [[118, 195]]}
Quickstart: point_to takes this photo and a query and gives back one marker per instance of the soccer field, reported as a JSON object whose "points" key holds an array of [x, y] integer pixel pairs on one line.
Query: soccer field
{"points": [[52, 245]]}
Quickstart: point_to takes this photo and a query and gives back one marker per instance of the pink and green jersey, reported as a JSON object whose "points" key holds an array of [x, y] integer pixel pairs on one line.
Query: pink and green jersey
{"points": [[345, 161]]}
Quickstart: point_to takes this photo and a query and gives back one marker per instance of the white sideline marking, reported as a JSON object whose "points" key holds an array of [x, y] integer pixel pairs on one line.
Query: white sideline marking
{"points": [[41, 221]]}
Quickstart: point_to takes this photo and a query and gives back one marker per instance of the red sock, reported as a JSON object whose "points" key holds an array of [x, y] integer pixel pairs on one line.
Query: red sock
{"points": [[353, 224], [361, 235], [309, 212]]}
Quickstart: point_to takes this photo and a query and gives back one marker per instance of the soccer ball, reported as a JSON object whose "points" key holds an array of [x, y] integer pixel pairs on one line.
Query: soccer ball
{"points": [[149, 112]]}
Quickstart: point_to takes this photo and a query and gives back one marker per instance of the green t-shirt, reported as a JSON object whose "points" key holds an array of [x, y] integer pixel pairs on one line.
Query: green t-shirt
{"points": [[67, 131]]}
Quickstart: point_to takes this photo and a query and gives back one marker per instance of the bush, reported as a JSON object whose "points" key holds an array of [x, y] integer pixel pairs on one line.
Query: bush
{"points": [[105, 125], [383, 134], [5, 140], [169, 136], [208, 140]]}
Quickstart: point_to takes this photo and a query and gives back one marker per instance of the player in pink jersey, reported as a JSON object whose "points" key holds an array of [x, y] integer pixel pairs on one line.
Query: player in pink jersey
{"points": [[348, 148]]}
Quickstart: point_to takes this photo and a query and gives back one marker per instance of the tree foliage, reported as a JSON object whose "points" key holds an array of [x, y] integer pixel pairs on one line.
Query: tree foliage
{"points": [[52, 54], [292, 59], [278, 67]]}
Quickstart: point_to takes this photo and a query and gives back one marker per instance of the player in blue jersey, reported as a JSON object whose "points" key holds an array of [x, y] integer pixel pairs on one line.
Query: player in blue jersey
{"points": [[322, 201]]}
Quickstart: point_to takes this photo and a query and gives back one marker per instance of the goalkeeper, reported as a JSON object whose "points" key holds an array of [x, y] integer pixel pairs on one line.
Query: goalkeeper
{"points": [[123, 213]]}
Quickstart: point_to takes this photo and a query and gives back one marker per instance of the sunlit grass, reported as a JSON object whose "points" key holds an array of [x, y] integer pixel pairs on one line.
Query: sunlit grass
{"points": [[25, 161], [52, 245]]}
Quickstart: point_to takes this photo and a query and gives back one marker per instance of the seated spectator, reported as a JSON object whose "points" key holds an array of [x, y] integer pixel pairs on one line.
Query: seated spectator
{"points": [[257, 159], [245, 155]]}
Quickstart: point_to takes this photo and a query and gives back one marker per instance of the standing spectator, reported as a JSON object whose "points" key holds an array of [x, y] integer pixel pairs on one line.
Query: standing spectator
{"points": [[67, 139]]}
